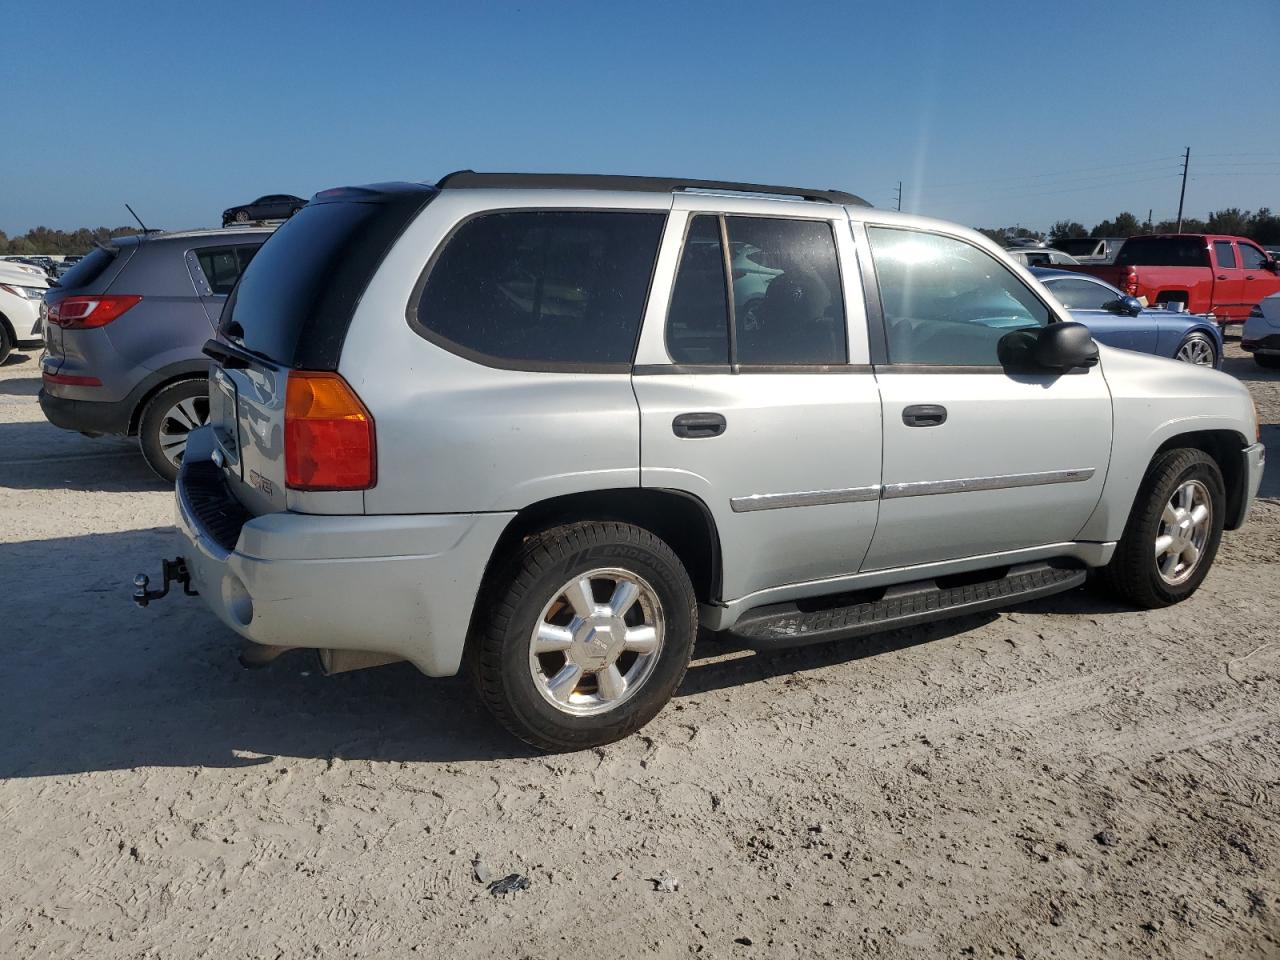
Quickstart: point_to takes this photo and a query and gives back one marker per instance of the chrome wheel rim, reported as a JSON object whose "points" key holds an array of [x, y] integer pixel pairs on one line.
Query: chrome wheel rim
{"points": [[1183, 532], [596, 642], [178, 422], [1198, 351]]}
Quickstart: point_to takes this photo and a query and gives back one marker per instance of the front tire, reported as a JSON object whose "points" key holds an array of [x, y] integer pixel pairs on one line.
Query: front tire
{"points": [[584, 635], [1173, 531], [166, 421], [242, 216], [6, 343]]}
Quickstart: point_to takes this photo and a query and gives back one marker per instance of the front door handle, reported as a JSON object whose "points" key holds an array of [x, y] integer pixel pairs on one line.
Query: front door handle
{"points": [[924, 415], [1222, 276], [694, 426]]}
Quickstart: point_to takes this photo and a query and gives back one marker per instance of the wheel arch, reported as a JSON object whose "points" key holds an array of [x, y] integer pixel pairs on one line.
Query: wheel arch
{"points": [[1225, 448], [154, 383], [8, 327], [680, 519]]}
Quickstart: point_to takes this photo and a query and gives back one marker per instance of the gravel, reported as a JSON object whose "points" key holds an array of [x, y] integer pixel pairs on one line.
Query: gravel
{"points": [[1068, 779]]}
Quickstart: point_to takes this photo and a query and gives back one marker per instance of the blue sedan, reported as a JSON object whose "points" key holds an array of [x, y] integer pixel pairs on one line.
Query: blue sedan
{"points": [[1121, 321]]}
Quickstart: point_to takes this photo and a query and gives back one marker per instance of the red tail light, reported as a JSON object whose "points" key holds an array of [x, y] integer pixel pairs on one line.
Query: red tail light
{"points": [[1131, 282], [80, 313], [328, 434]]}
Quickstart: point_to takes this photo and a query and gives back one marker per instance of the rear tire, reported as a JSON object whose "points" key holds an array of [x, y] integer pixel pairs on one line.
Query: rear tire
{"points": [[560, 680], [167, 419], [1269, 361], [1166, 513]]}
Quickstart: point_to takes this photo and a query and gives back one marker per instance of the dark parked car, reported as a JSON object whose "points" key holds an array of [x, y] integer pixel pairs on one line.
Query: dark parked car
{"points": [[274, 206], [124, 334], [1121, 321]]}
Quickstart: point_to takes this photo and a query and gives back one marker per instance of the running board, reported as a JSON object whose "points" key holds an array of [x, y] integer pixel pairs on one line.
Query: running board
{"points": [[818, 620]]}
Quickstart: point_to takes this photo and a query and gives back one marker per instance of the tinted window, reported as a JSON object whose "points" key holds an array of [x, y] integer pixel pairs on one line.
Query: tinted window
{"points": [[222, 266], [543, 287], [945, 301], [787, 303], [1081, 294], [87, 269], [295, 301], [698, 318], [1036, 259], [1081, 247], [1251, 258], [1163, 252], [1224, 253]]}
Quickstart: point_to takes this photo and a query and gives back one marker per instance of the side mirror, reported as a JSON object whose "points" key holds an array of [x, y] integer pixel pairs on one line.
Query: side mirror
{"points": [[1273, 265], [1124, 306], [1065, 346]]}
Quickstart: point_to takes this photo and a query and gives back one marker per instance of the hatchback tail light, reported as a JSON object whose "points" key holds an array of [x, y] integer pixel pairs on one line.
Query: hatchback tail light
{"points": [[81, 313], [328, 434]]}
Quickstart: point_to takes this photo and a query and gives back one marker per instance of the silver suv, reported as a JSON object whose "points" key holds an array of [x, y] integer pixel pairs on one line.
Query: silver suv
{"points": [[523, 422]]}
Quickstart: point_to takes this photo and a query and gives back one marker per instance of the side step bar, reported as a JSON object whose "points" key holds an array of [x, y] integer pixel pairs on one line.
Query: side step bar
{"points": [[782, 625]]}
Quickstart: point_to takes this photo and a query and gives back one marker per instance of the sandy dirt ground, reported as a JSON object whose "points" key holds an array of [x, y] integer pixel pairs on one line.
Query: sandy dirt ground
{"points": [[1065, 779]]}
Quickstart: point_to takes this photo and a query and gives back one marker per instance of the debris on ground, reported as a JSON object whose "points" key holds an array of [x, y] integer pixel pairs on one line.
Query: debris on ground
{"points": [[665, 882], [482, 872], [511, 883]]}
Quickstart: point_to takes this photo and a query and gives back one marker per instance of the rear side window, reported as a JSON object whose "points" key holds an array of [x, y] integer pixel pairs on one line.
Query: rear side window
{"points": [[787, 301], [1224, 253], [1082, 294], [1251, 258], [542, 289], [1163, 252], [222, 266], [88, 269]]}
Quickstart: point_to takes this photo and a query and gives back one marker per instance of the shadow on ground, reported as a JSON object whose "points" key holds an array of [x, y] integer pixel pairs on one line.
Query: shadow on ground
{"points": [[35, 455]]}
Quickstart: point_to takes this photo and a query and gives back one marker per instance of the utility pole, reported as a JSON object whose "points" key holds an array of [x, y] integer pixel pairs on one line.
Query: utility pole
{"points": [[1150, 213], [1186, 163], [899, 196]]}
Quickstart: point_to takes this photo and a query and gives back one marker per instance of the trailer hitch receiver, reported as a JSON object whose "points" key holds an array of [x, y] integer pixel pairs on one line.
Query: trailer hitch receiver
{"points": [[173, 571]]}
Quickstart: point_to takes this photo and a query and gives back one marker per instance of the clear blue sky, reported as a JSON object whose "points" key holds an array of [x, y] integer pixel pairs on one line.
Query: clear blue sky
{"points": [[991, 112]]}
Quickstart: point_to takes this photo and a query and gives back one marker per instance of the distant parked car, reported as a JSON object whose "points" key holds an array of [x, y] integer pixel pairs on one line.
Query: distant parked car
{"points": [[1091, 249], [1261, 335], [23, 265], [124, 332], [1048, 257], [21, 306], [274, 206], [1121, 321]]}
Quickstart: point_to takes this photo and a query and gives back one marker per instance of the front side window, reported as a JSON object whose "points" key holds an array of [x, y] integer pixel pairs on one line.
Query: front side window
{"points": [[1251, 258], [1082, 294], [541, 289], [946, 302], [1225, 254]]}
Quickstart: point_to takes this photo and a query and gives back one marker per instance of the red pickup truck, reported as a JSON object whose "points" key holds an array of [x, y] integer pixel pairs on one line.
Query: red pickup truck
{"points": [[1225, 276]]}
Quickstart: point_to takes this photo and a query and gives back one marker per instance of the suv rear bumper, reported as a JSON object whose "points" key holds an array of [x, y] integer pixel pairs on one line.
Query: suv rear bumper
{"points": [[397, 585], [1268, 343], [87, 416]]}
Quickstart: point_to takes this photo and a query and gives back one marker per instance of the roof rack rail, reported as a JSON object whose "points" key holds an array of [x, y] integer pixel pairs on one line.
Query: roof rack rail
{"points": [[470, 180]]}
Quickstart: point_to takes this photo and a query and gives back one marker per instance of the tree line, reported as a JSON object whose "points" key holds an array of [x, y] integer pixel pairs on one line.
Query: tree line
{"points": [[1261, 226], [60, 242]]}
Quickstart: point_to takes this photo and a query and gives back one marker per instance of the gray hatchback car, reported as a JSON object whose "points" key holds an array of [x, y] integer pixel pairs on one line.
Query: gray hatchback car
{"points": [[124, 332]]}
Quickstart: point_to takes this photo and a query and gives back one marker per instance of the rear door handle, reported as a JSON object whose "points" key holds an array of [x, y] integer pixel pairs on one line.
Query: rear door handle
{"points": [[924, 415], [1222, 276], [694, 426]]}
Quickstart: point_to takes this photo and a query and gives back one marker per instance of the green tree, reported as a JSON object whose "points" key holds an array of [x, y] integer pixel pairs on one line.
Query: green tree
{"points": [[1232, 221], [1124, 225], [1067, 230]]}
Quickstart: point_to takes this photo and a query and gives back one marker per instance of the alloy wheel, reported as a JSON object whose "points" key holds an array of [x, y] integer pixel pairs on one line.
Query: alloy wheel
{"points": [[596, 641], [1183, 532], [1196, 350], [178, 422]]}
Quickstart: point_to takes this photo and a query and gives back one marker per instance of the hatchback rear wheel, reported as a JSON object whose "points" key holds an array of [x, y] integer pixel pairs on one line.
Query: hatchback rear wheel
{"points": [[584, 636], [167, 420]]}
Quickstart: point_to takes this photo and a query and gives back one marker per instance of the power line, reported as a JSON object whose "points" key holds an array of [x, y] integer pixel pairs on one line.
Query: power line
{"points": [[1059, 173], [1097, 179]]}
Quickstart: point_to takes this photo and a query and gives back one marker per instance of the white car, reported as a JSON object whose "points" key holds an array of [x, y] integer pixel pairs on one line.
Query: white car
{"points": [[1261, 334], [21, 307]]}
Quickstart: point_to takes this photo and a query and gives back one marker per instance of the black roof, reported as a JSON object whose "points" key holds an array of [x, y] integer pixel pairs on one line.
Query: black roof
{"points": [[470, 180]]}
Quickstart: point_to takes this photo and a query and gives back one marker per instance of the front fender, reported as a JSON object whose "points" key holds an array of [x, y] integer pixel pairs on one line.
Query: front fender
{"points": [[1154, 401]]}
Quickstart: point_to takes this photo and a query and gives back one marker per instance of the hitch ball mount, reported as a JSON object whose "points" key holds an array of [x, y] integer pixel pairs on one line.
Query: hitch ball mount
{"points": [[173, 571]]}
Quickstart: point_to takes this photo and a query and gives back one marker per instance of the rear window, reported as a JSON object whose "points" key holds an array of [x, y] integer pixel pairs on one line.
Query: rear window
{"points": [[1080, 247], [88, 269], [542, 289], [1163, 252], [294, 302]]}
